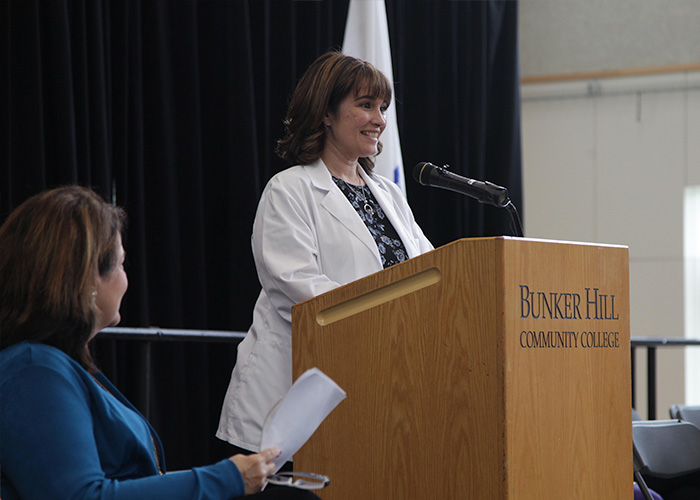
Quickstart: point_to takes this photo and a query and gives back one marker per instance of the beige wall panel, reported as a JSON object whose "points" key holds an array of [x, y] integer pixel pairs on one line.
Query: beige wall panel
{"points": [[559, 169], [694, 132], [656, 298], [641, 174]]}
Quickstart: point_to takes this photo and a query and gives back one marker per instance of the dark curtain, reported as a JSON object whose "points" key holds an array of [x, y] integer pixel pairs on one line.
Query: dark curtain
{"points": [[171, 109], [457, 83]]}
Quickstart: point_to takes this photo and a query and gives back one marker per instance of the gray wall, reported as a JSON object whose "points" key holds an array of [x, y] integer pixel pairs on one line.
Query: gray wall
{"points": [[578, 36]]}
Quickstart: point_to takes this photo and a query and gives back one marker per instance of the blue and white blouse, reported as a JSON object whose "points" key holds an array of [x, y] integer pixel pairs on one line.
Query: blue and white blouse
{"points": [[391, 248]]}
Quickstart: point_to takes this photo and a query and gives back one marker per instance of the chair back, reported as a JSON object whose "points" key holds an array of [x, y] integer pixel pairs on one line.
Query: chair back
{"points": [[688, 413], [666, 448]]}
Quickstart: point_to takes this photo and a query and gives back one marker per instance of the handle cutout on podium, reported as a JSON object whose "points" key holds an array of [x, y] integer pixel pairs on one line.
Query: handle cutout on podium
{"points": [[379, 296]]}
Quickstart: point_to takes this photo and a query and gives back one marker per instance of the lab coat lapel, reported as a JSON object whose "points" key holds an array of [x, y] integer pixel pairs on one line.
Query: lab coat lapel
{"points": [[338, 206]]}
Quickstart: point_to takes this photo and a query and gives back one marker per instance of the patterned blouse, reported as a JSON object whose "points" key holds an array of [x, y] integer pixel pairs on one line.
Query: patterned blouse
{"points": [[391, 248]]}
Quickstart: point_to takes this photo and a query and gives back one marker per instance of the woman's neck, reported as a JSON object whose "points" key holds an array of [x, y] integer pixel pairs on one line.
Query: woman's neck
{"points": [[348, 171]]}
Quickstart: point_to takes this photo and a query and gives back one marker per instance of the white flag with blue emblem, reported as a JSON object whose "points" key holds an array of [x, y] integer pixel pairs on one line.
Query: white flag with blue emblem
{"points": [[367, 37]]}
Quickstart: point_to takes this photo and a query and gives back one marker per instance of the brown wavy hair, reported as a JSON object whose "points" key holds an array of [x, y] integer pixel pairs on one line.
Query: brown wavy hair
{"points": [[52, 248], [328, 80]]}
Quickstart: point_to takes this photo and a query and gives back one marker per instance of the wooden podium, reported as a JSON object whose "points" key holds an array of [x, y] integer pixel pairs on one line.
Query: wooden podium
{"points": [[489, 368]]}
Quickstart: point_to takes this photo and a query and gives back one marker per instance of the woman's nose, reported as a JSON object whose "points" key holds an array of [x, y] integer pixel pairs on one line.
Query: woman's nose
{"points": [[379, 117]]}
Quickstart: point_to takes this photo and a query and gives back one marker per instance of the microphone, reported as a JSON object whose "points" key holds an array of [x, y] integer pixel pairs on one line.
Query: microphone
{"points": [[428, 174]]}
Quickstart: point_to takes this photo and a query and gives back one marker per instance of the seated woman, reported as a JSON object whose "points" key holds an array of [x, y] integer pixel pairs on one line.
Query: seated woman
{"points": [[66, 431]]}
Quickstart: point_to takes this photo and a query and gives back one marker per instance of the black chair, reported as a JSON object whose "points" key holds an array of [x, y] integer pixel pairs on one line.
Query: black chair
{"points": [[667, 458], [686, 412]]}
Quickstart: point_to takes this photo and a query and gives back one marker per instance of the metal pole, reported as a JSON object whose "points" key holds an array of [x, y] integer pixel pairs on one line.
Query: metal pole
{"points": [[651, 382], [634, 386], [144, 389]]}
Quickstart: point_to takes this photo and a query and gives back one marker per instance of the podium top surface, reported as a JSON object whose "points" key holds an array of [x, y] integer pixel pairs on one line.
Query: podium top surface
{"points": [[547, 240]]}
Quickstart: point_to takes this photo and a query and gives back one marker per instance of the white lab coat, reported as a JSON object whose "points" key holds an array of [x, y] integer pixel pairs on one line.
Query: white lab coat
{"points": [[307, 239]]}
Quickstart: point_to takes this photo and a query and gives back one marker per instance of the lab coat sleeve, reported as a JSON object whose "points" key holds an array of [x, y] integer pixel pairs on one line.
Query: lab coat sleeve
{"points": [[285, 245]]}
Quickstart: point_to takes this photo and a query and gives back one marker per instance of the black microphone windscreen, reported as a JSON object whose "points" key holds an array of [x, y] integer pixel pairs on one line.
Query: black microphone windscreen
{"points": [[420, 171]]}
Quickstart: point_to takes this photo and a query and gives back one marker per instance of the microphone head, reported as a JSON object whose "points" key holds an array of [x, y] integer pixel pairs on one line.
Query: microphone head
{"points": [[421, 171]]}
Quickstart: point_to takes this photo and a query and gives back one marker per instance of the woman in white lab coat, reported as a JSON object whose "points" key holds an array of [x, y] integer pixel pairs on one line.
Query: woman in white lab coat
{"points": [[320, 224]]}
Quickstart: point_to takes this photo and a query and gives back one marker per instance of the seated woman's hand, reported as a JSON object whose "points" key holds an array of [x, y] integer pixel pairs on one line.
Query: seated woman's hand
{"points": [[255, 468]]}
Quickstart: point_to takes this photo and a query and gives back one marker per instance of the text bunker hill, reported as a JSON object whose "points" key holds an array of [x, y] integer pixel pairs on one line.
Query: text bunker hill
{"points": [[591, 305]]}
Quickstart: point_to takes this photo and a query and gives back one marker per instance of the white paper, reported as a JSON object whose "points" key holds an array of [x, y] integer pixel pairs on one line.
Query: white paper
{"points": [[299, 413]]}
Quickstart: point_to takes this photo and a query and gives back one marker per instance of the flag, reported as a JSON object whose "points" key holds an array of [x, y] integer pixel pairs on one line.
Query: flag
{"points": [[367, 38]]}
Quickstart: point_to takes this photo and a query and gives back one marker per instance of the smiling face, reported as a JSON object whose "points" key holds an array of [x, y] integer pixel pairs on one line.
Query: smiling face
{"points": [[354, 129]]}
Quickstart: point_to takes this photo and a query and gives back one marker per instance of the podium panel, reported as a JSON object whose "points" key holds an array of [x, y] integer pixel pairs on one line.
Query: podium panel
{"points": [[487, 368]]}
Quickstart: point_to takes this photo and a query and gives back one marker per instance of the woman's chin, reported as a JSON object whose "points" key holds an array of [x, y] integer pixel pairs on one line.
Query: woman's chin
{"points": [[101, 325]]}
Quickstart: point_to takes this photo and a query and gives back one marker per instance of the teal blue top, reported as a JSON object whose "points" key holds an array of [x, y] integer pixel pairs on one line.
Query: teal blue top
{"points": [[65, 434]]}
